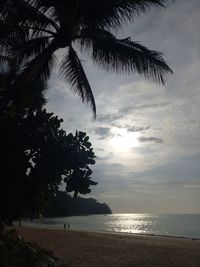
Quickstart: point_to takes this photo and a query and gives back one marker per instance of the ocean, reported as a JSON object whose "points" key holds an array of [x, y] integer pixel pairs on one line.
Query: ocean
{"points": [[177, 225]]}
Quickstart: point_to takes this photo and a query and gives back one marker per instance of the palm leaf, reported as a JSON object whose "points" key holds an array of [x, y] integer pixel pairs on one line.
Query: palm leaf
{"points": [[85, 37], [49, 9], [124, 55], [40, 66], [3, 62], [5, 5], [26, 13], [72, 69], [113, 13], [33, 47], [11, 32]]}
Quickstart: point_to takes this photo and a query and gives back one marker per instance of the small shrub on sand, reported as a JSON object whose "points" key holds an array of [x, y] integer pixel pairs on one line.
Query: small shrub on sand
{"points": [[16, 252]]}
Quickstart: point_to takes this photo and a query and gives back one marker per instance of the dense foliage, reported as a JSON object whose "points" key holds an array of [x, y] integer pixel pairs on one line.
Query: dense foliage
{"points": [[35, 157], [64, 205], [36, 153]]}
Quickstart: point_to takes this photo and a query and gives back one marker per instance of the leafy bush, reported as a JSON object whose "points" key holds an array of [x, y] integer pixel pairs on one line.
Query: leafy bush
{"points": [[16, 252]]}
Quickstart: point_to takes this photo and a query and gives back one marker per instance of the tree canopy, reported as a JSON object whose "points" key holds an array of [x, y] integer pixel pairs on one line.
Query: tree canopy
{"points": [[33, 30]]}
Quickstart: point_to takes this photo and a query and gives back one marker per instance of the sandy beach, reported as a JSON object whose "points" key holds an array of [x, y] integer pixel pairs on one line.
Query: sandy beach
{"points": [[89, 249]]}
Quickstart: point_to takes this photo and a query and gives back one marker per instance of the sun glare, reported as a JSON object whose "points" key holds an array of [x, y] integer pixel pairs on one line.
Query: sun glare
{"points": [[123, 141]]}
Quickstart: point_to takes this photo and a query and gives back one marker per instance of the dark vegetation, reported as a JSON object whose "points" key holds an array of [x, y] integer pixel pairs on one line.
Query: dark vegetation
{"points": [[36, 154], [64, 205], [15, 252], [42, 156]]}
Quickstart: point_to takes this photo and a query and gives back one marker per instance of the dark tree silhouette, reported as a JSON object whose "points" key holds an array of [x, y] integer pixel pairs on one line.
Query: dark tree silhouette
{"points": [[78, 179], [64, 205], [36, 154], [33, 30]]}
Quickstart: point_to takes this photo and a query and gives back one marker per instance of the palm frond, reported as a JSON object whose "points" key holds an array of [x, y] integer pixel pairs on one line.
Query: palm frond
{"points": [[72, 69], [53, 8], [125, 56], [86, 36], [49, 9], [30, 49], [40, 66], [5, 5], [8, 31], [10, 36], [25, 13], [112, 13], [44, 18], [3, 62]]}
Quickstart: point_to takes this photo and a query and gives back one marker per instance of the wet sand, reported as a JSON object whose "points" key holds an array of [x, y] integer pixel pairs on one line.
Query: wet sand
{"points": [[90, 249]]}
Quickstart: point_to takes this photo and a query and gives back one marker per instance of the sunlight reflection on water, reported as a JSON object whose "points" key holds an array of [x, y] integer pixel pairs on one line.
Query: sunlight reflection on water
{"points": [[131, 223]]}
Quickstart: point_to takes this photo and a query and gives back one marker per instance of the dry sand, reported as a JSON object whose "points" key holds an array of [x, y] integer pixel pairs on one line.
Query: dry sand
{"points": [[89, 249]]}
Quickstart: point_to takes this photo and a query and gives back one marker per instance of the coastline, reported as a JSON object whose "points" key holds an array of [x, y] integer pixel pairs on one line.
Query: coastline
{"points": [[175, 225], [49, 227], [100, 249]]}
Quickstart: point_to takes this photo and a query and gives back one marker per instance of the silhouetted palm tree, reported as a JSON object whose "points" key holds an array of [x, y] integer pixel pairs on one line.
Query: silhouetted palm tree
{"points": [[35, 29]]}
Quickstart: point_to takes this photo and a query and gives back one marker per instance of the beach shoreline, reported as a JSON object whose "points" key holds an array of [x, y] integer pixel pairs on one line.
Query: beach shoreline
{"points": [[100, 249], [112, 232]]}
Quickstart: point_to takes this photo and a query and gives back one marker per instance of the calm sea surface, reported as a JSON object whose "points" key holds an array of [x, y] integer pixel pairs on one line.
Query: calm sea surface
{"points": [[179, 225]]}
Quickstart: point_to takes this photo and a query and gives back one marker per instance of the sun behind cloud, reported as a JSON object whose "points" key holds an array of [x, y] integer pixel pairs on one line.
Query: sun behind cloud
{"points": [[123, 141]]}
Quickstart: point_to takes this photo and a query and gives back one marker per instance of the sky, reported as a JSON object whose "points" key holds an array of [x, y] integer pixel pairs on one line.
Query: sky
{"points": [[146, 137]]}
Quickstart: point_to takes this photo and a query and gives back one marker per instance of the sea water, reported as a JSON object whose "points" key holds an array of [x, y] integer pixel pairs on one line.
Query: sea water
{"points": [[177, 225]]}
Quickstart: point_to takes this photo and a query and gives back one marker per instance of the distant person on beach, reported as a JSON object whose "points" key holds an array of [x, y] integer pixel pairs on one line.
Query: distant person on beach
{"points": [[68, 226]]}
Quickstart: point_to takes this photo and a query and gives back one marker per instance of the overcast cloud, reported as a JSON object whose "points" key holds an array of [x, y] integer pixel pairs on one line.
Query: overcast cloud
{"points": [[158, 169]]}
